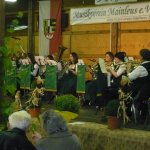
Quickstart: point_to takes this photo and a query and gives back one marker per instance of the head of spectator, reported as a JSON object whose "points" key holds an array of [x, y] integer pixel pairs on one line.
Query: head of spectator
{"points": [[57, 132], [15, 138], [145, 55], [20, 119], [53, 122]]}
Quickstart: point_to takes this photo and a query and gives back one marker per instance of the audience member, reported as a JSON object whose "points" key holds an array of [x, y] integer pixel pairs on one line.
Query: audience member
{"points": [[58, 137], [15, 138]]}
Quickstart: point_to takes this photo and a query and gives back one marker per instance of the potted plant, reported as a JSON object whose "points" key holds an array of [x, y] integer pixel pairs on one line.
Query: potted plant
{"points": [[33, 104], [68, 106], [114, 122], [67, 103]]}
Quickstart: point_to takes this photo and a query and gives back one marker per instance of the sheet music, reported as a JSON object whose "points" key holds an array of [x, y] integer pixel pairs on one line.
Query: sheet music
{"points": [[80, 62], [51, 62], [40, 60], [25, 62], [102, 65]]}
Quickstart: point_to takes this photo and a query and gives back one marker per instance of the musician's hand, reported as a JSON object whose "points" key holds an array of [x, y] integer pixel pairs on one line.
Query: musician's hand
{"points": [[108, 68], [74, 72], [71, 70]]}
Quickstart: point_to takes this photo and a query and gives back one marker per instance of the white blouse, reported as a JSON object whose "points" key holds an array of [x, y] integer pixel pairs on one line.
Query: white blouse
{"points": [[139, 72], [35, 70]]}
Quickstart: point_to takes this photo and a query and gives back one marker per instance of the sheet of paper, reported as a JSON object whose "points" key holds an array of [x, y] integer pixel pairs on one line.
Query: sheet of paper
{"points": [[102, 65]]}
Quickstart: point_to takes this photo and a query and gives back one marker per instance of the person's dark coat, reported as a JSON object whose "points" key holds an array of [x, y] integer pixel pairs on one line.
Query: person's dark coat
{"points": [[15, 139]]}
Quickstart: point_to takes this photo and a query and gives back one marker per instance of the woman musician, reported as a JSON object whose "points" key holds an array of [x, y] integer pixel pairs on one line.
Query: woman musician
{"points": [[67, 84], [109, 57], [97, 85], [117, 70]]}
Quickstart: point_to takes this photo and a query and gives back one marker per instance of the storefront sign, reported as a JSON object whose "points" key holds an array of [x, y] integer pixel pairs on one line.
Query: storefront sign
{"points": [[111, 13]]}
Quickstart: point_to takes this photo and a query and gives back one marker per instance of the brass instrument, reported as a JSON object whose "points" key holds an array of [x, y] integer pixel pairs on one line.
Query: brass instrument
{"points": [[94, 69], [64, 64], [131, 65], [61, 50], [65, 69], [131, 61]]}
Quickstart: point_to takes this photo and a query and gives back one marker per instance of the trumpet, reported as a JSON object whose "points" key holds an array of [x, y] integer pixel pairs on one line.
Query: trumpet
{"points": [[93, 69], [131, 65], [129, 62]]}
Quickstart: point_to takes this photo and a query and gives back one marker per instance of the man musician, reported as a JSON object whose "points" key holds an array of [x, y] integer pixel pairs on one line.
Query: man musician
{"points": [[140, 78]]}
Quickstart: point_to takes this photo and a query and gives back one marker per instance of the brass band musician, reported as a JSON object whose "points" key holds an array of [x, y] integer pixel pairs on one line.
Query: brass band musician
{"points": [[109, 57], [97, 85], [117, 70], [140, 78], [50, 60], [35, 66], [67, 84]]}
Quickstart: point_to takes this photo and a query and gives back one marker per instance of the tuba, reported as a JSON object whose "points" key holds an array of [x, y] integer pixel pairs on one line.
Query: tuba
{"points": [[61, 50]]}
